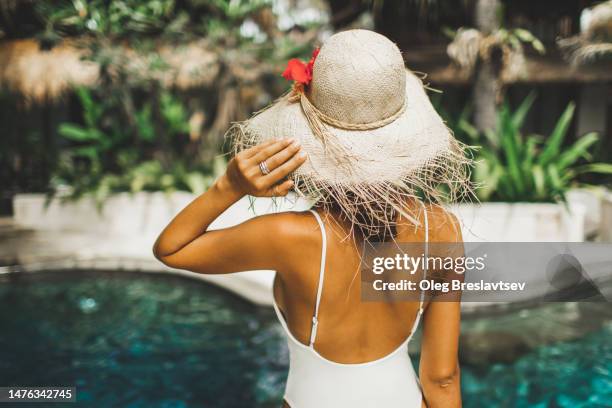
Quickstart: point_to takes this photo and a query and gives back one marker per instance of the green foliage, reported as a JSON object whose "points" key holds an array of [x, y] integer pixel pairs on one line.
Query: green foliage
{"points": [[513, 167], [111, 151], [237, 10], [131, 133], [460, 124], [103, 17], [514, 37], [144, 24], [125, 18]]}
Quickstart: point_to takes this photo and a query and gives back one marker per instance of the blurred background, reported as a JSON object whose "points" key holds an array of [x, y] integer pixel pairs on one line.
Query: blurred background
{"points": [[112, 115], [111, 96]]}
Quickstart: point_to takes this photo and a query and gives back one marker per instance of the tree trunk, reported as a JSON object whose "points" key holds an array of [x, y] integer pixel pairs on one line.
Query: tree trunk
{"points": [[345, 12], [487, 85]]}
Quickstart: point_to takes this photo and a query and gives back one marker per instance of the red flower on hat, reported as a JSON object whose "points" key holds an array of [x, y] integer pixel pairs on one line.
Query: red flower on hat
{"points": [[299, 71]]}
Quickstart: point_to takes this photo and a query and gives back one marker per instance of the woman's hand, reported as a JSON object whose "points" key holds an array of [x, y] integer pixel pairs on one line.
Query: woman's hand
{"points": [[184, 241], [244, 174]]}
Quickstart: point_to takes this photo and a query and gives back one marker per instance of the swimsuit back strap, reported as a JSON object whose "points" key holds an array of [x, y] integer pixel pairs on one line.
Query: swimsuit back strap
{"points": [[426, 254], [415, 324], [315, 321]]}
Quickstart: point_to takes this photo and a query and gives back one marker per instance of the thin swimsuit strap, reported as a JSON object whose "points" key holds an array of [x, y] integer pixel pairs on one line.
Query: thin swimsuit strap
{"points": [[425, 254], [315, 317]]}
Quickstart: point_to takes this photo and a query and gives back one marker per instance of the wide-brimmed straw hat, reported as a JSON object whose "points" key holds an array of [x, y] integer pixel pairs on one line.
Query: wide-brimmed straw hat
{"points": [[372, 137]]}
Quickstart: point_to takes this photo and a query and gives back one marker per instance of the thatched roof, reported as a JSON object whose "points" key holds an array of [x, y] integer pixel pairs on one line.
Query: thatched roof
{"points": [[43, 75], [40, 75], [547, 68], [184, 66], [594, 42]]}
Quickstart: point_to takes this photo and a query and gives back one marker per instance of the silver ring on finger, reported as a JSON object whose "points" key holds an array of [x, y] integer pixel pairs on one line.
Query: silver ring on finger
{"points": [[264, 168]]}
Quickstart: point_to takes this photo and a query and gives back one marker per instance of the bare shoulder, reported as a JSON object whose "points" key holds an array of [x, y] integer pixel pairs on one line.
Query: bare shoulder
{"points": [[290, 225], [290, 232], [443, 224]]}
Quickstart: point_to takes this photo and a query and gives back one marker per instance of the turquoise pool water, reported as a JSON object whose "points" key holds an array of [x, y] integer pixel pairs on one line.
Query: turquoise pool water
{"points": [[145, 340]]}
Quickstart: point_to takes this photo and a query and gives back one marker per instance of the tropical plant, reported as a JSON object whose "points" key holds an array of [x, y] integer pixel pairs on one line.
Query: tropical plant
{"points": [[513, 167], [150, 150], [130, 131], [123, 18], [459, 123]]}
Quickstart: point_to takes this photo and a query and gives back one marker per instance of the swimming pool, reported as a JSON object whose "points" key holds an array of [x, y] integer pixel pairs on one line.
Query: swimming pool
{"points": [[152, 340]]}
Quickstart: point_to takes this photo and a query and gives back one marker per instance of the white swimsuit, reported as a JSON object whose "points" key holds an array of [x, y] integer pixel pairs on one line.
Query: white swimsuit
{"points": [[316, 382]]}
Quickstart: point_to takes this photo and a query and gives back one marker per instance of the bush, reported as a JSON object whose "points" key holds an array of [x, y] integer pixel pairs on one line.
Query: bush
{"points": [[142, 147], [513, 167]]}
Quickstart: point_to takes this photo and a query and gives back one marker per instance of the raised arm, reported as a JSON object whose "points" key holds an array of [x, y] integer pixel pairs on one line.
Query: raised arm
{"points": [[186, 244]]}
